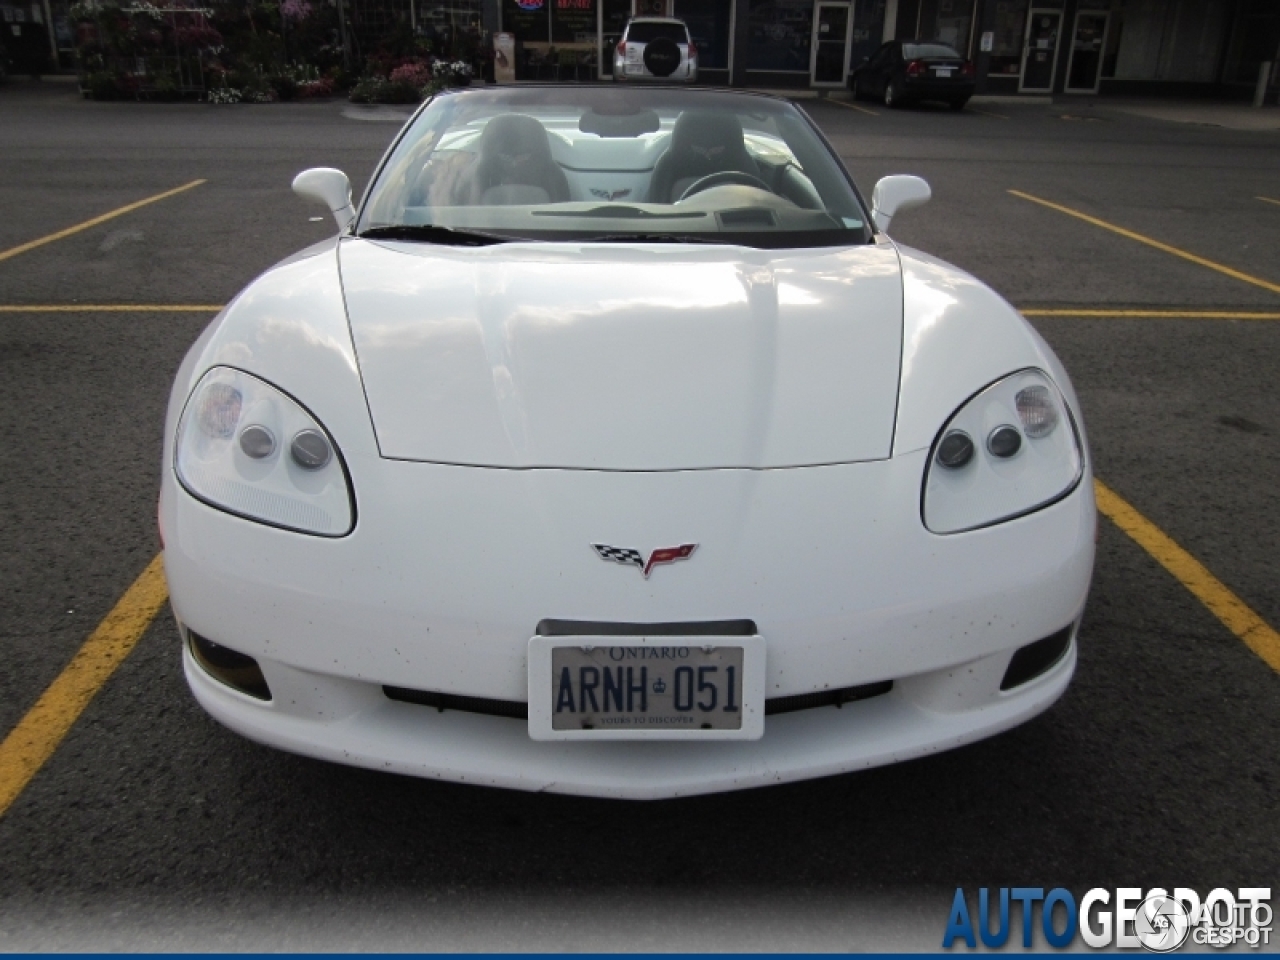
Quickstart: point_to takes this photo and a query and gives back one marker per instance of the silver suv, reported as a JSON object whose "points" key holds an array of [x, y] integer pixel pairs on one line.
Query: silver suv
{"points": [[656, 48]]}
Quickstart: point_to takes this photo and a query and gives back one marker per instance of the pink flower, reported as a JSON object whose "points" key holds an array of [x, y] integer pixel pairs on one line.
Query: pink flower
{"points": [[295, 10]]}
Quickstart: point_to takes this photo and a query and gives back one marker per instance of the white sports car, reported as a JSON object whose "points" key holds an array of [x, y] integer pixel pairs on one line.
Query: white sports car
{"points": [[612, 448]]}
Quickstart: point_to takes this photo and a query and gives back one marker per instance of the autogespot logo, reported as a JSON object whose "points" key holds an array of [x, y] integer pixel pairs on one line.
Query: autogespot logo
{"points": [[1157, 921]]}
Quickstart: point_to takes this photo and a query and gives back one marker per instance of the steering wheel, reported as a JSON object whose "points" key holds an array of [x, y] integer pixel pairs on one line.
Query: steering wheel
{"points": [[720, 179]]}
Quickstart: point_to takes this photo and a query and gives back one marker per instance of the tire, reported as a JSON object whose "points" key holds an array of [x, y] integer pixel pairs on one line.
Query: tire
{"points": [[892, 98], [858, 92], [958, 105]]}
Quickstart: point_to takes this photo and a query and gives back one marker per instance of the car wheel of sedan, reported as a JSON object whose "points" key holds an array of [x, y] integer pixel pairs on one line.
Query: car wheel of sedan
{"points": [[892, 99], [959, 104]]}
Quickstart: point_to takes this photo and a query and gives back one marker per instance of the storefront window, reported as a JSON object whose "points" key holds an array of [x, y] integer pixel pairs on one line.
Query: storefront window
{"points": [[947, 21], [1010, 30], [868, 29], [709, 25], [573, 21], [527, 19], [453, 28], [780, 35], [1175, 40]]}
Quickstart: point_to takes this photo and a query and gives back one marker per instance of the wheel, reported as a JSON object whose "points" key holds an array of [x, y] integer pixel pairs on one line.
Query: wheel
{"points": [[858, 92], [959, 104], [892, 99]]}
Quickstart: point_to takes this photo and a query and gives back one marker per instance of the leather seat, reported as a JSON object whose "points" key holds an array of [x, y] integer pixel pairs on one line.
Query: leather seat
{"points": [[515, 165], [702, 143]]}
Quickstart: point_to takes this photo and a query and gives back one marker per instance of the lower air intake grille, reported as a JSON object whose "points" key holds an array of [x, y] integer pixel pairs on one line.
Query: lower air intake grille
{"points": [[520, 711], [448, 701], [826, 698]]}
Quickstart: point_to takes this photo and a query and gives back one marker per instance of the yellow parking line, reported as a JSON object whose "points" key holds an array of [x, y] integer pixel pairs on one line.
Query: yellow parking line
{"points": [[1229, 271], [988, 113], [1234, 613], [1158, 314], [1268, 200], [853, 106], [23, 248], [38, 734], [110, 308]]}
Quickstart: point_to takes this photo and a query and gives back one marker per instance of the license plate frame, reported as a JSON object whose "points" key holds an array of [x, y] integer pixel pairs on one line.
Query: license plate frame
{"points": [[542, 685]]}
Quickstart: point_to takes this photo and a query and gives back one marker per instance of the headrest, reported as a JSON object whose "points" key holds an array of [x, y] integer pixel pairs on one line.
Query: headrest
{"points": [[705, 130], [511, 133]]}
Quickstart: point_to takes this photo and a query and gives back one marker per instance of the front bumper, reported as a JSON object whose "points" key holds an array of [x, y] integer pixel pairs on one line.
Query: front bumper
{"points": [[351, 722], [450, 569]]}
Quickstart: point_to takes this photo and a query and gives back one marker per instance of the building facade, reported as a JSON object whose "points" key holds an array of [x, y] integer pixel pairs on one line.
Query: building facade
{"points": [[1033, 47], [1144, 47]]}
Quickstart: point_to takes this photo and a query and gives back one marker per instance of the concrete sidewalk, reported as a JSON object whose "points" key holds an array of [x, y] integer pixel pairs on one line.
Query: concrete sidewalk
{"points": [[1229, 115], [1209, 113]]}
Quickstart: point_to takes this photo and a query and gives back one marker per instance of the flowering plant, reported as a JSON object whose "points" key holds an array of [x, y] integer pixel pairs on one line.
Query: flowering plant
{"points": [[295, 11], [454, 73], [413, 74]]}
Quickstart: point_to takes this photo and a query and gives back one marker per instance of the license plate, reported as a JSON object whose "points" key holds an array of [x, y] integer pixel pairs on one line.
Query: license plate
{"points": [[646, 688], [943, 72]]}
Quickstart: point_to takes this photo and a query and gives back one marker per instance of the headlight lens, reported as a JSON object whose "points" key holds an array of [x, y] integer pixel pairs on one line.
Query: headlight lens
{"points": [[1010, 450], [247, 448]]}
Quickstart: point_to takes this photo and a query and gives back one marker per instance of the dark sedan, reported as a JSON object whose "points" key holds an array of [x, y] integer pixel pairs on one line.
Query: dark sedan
{"points": [[908, 71]]}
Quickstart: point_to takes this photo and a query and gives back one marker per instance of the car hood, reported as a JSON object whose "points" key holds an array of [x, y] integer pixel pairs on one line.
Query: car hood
{"points": [[635, 357]]}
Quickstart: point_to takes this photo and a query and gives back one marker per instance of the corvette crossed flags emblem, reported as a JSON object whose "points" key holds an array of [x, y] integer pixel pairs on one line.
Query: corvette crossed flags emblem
{"points": [[633, 558]]}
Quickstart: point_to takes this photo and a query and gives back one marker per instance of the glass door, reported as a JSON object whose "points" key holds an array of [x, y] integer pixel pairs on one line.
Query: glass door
{"points": [[1040, 52], [1087, 43], [613, 18], [830, 59]]}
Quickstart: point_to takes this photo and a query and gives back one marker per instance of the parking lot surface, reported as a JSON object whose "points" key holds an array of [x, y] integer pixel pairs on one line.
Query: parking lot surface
{"points": [[1143, 250]]}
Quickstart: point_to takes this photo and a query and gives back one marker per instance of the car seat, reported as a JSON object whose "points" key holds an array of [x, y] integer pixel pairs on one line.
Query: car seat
{"points": [[515, 165], [702, 143]]}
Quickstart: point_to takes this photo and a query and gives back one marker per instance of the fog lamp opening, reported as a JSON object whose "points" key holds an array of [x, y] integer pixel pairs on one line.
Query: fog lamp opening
{"points": [[236, 670], [1036, 659]]}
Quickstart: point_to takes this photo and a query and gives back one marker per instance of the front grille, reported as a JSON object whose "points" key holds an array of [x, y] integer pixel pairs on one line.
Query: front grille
{"points": [[517, 710], [514, 709], [826, 698]]}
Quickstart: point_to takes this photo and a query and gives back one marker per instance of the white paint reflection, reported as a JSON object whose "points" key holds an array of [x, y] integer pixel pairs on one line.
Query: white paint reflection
{"points": [[927, 300], [790, 295]]}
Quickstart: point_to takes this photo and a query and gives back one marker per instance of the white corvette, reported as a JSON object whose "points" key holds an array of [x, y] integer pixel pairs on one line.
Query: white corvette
{"points": [[612, 448]]}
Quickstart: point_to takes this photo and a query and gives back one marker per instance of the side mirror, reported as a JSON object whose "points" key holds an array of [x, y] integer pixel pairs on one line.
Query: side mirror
{"points": [[331, 187], [895, 194]]}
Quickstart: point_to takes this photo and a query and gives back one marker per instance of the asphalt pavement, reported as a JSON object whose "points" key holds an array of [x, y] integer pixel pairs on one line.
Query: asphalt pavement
{"points": [[151, 825]]}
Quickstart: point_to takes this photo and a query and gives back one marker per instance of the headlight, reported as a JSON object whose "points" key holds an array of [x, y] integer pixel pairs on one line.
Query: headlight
{"points": [[246, 448], [1011, 449]]}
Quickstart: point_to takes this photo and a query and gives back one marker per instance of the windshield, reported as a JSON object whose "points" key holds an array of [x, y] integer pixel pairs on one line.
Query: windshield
{"points": [[596, 163], [927, 51]]}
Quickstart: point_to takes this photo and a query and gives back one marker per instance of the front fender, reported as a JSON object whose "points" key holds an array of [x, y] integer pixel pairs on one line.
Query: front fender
{"points": [[958, 336]]}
